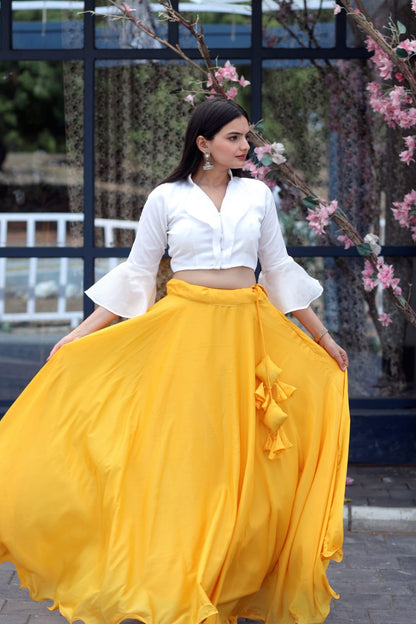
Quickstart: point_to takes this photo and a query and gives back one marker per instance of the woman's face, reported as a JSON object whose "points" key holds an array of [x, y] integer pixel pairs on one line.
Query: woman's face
{"points": [[229, 147]]}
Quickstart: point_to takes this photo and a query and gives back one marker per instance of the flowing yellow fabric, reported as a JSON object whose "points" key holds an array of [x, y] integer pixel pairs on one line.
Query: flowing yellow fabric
{"points": [[185, 465]]}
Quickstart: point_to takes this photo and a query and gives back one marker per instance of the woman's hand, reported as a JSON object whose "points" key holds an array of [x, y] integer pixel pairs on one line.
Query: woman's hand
{"points": [[63, 341], [334, 350], [98, 319]]}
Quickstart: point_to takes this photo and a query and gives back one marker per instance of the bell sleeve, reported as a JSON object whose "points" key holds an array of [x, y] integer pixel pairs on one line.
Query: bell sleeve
{"points": [[288, 285], [129, 289]]}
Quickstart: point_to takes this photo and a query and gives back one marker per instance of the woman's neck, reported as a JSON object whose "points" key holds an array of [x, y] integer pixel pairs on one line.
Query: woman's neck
{"points": [[212, 178]]}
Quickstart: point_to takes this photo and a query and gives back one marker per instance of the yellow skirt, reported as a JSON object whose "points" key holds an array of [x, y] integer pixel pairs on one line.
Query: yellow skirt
{"points": [[185, 465]]}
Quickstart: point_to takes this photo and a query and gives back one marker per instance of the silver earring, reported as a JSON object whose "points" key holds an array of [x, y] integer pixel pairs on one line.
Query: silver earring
{"points": [[207, 164]]}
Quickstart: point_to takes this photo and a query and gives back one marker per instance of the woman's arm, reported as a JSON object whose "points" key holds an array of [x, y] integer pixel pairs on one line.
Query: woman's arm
{"points": [[321, 335], [98, 319]]}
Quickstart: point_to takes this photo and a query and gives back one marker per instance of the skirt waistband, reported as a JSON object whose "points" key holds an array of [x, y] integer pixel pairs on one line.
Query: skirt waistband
{"points": [[220, 296]]}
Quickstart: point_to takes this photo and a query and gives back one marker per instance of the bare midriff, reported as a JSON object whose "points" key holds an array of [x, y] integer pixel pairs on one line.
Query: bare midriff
{"points": [[236, 277]]}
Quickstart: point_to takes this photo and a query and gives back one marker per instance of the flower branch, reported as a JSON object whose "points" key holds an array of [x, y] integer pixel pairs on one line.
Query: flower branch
{"points": [[366, 25]]}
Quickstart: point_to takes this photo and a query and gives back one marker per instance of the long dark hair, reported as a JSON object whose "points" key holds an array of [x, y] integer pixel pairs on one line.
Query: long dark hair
{"points": [[206, 120]]}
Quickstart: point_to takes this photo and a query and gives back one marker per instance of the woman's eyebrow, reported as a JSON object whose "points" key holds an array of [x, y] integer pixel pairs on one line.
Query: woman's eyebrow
{"points": [[237, 132]]}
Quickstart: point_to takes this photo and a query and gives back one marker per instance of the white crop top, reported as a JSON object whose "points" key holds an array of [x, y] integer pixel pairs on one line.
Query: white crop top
{"points": [[180, 217]]}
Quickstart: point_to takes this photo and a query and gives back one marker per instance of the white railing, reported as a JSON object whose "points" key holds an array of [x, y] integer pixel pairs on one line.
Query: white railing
{"points": [[36, 289]]}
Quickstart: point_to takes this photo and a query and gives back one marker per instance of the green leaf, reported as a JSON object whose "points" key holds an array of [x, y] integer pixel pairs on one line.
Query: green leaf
{"points": [[310, 202], [401, 28], [364, 249], [401, 53], [402, 300], [412, 212], [266, 159]]}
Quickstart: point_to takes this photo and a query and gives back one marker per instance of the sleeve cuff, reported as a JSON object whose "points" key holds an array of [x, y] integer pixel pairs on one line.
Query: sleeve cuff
{"points": [[289, 286], [126, 290]]}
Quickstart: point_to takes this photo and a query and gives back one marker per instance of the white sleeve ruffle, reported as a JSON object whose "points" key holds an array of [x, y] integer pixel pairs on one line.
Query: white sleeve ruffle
{"points": [[129, 289], [288, 285], [126, 290]]}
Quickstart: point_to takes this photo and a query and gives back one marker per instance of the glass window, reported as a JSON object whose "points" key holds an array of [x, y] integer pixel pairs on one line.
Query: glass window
{"points": [[41, 153], [47, 25], [138, 146], [40, 301], [300, 24], [295, 113], [120, 33], [382, 359], [226, 25]]}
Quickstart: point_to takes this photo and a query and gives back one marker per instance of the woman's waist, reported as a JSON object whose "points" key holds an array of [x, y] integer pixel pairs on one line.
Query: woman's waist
{"points": [[229, 279]]}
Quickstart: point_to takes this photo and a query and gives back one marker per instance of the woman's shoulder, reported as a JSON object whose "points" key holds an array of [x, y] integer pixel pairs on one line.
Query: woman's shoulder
{"points": [[166, 191]]}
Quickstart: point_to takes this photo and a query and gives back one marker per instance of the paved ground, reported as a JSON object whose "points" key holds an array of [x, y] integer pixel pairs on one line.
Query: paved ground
{"points": [[376, 580]]}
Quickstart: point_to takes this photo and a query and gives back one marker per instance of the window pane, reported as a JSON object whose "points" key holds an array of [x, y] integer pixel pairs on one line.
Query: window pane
{"points": [[41, 157], [295, 113], [301, 24], [40, 300], [120, 33], [43, 24], [140, 124], [382, 359], [226, 25]]}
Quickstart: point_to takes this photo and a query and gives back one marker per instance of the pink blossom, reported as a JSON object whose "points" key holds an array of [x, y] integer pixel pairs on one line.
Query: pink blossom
{"points": [[409, 45], [318, 217], [347, 242], [414, 6], [367, 274], [385, 274], [385, 277], [398, 96], [402, 212], [228, 72], [399, 76], [209, 81], [250, 167], [337, 8], [384, 319], [407, 155], [262, 172], [380, 58], [263, 149], [392, 106], [349, 481], [231, 93], [189, 98], [243, 82], [258, 172]]}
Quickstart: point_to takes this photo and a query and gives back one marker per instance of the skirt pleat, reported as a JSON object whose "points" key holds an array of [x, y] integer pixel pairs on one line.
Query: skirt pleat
{"points": [[185, 465]]}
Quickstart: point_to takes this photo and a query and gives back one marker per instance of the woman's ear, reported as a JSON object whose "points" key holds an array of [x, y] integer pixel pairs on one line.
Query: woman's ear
{"points": [[201, 143]]}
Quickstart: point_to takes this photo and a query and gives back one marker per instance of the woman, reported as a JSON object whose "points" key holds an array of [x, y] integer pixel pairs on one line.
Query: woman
{"points": [[188, 464]]}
